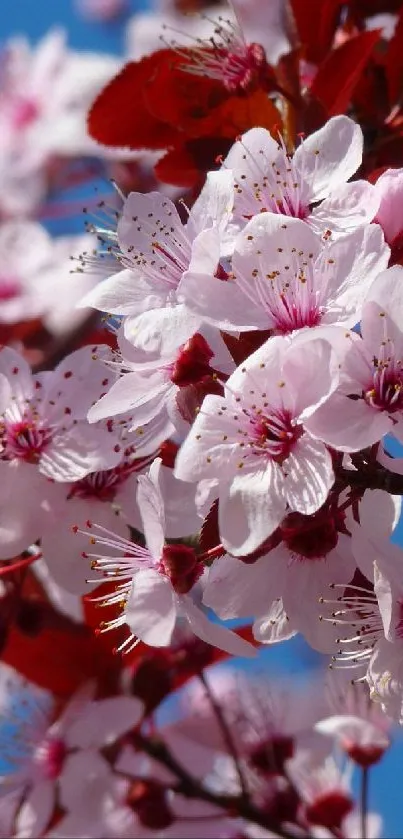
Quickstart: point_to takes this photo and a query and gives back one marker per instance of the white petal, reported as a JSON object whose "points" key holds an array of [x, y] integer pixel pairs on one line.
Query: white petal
{"points": [[36, 811], [328, 157], [151, 507], [213, 633], [250, 509], [151, 610], [104, 721]]}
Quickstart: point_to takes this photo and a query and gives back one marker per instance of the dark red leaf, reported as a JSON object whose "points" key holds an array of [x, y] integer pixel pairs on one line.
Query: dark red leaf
{"points": [[394, 63], [120, 115], [340, 72], [316, 22]]}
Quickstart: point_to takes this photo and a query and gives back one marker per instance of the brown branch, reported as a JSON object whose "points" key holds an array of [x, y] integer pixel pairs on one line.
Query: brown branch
{"points": [[226, 734], [373, 476], [190, 787]]}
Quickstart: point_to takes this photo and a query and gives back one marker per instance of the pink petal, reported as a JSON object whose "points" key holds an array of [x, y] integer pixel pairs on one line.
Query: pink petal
{"points": [[340, 144], [36, 811], [104, 722], [250, 509], [151, 506], [349, 206], [151, 610], [213, 633], [308, 475], [125, 293]]}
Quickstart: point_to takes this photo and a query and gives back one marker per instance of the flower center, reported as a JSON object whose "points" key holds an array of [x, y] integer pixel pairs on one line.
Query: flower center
{"points": [[386, 391], [274, 435], [269, 756], [312, 537], [24, 440], [50, 757], [228, 58], [274, 186], [329, 809], [180, 564], [24, 112], [193, 362], [10, 288]]}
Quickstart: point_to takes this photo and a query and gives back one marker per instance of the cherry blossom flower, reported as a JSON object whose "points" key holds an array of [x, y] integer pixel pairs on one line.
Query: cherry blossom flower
{"points": [[43, 416], [25, 253], [357, 724], [389, 188], [307, 555], [324, 789], [262, 24], [155, 249], [268, 722], [101, 10], [44, 435], [42, 114], [385, 677], [253, 441], [368, 609], [282, 279], [155, 581], [40, 746], [36, 278], [269, 179], [158, 385], [369, 396]]}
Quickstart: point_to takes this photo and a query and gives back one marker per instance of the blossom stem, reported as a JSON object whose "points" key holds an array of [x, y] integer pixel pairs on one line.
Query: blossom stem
{"points": [[226, 733], [190, 787], [21, 563], [372, 478], [364, 800]]}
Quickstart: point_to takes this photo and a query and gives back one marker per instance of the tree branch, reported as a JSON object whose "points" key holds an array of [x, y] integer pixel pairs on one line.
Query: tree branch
{"points": [[190, 787], [371, 477]]}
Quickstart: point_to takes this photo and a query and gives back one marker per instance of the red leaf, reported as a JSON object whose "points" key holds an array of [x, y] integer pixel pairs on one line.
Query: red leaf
{"points": [[316, 22], [340, 72], [394, 63], [120, 115], [60, 661]]}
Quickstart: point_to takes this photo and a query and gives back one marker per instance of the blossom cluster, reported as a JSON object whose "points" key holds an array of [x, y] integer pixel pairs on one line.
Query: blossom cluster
{"points": [[201, 419]]}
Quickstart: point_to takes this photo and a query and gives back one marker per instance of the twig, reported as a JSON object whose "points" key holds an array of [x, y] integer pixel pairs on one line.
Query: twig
{"points": [[226, 734], [372, 477], [364, 801], [188, 786]]}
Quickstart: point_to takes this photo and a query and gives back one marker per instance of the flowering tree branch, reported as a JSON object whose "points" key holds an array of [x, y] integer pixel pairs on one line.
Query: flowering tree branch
{"points": [[371, 476], [237, 806]]}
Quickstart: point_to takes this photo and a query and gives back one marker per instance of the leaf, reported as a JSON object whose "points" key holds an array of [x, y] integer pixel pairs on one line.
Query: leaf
{"points": [[316, 22], [120, 115], [341, 71]]}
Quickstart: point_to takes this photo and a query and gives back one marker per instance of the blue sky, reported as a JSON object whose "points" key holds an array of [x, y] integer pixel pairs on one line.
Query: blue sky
{"points": [[33, 18]]}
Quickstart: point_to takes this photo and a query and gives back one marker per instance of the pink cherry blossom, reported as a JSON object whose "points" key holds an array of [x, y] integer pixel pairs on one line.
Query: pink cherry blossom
{"points": [[43, 416], [43, 115], [284, 279], [154, 582], [253, 441], [101, 10], [154, 385], [369, 398], [308, 555], [25, 253], [357, 723], [45, 743], [389, 188], [155, 249], [324, 789], [385, 677], [269, 179]]}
